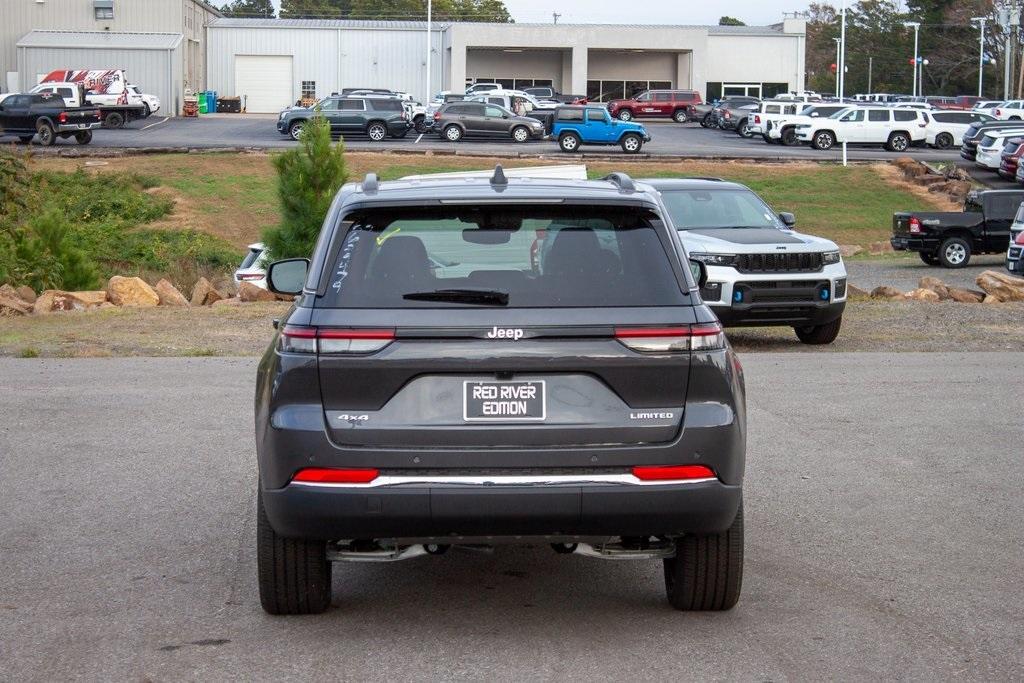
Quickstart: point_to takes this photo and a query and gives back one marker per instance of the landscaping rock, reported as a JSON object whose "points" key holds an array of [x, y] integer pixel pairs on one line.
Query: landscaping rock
{"points": [[169, 294], [929, 180], [56, 300], [249, 292], [12, 305], [965, 296], [224, 303], [1001, 286], [989, 299], [26, 294], [934, 284], [131, 291], [922, 295], [886, 292], [877, 248], [8, 291], [848, 250], [855, 291], [203, 293]]}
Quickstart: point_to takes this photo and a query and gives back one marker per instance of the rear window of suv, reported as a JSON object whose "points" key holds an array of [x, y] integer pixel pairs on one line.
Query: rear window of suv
{"points": [[515, 256], [385, 104]]}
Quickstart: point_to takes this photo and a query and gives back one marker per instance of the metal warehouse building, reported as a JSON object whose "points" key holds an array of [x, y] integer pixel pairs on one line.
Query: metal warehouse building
{"points": [[40, 36], [272, 63], [153, 59]]}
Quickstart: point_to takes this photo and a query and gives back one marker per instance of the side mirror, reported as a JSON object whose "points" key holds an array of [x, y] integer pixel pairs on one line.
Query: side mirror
{"points": [[699, 272], [787, 218], [287, 277]]}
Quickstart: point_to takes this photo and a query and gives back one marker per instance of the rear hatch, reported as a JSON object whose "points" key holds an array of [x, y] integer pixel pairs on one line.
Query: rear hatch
{"points": [[505, 326]]}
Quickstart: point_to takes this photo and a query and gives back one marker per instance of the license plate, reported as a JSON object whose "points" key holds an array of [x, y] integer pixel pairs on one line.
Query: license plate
{"points": [[504, 401], [83, 126]]}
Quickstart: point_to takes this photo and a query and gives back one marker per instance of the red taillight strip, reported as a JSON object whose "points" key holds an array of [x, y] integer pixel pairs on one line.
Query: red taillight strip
{"points": [[646, 332], [356, 334], [299, 332], [333, 475], [672, 472]]}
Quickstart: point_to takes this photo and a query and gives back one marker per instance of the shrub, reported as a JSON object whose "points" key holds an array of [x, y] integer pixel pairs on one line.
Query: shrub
{"points": [[47, 258], [308, 178]]}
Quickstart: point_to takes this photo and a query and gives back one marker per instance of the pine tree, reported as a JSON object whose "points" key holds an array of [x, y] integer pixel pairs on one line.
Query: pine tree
{"points": [[308, 177]]}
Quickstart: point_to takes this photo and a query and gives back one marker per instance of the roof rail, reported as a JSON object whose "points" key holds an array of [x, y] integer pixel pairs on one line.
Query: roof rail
{"points": [[370, 184], [706, 177], [623, 180], [499, 176]]}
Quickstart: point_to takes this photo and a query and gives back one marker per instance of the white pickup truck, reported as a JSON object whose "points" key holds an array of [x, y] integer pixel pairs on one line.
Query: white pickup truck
{"points": [[771, 110], [107, 89]]}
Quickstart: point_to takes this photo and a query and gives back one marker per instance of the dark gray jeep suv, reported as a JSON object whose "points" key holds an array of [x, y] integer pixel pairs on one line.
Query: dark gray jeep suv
{"points": [[485, 361]]}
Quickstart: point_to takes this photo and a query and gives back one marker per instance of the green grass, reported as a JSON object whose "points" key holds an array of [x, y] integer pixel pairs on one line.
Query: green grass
{"points": [[29, 352]]}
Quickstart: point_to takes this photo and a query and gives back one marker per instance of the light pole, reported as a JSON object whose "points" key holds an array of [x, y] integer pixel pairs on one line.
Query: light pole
{"points": [[842, 55], [430, 7], [916, 25], [837, 66], [981, 50]]}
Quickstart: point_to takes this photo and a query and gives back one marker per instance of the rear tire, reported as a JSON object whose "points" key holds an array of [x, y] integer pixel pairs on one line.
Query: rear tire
{"points": [[789, 137], [929, 258], [679, 116], [898, 142], [625, 115], [707, 121], [376, 132], [294, 574], [955, 252], [453, 133], [743, 129], [569, 142], [113, 120], [707, 571], [819, 334], [46, 135], [84, 137], [631, 143], [944, 141]]}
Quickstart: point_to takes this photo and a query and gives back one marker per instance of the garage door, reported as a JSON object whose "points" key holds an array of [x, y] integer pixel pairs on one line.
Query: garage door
{"points": [[264, 82]]}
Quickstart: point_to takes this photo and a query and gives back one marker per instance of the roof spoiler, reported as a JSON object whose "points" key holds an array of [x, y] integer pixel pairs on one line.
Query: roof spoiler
{"points": [[623, 180]]}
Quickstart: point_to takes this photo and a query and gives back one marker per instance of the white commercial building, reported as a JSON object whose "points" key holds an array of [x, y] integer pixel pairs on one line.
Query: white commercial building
{"points": [[272, 63]]}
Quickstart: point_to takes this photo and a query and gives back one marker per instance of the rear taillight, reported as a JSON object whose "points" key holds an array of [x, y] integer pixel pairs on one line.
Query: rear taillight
{"points": [[673, 472], [998, 113], [295, 339], [334, 475], [63, 118], [681, 338], [757, 119], [437, 116], [1020, 239], [915, 225]]}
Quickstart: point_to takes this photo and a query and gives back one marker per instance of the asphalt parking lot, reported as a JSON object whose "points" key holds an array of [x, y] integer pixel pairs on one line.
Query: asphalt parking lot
{"points": [[905, 271], [884, 541], [668, 138]]}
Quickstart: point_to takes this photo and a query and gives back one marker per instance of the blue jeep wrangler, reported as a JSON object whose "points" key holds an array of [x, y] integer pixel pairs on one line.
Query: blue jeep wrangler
{"points": [[575, 126]]}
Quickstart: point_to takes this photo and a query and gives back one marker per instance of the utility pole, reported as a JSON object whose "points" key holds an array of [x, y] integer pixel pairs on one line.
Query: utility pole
{"points": [[555, 16], [870, 65], [916, 25], [981, 50], [430, 8]]}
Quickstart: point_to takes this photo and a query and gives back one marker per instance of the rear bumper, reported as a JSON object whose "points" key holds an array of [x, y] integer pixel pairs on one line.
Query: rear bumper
{"points": [[428, 511], [907, 243]]}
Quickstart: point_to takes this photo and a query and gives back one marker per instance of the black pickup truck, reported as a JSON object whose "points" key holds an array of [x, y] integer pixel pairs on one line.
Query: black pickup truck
{"points": [[949, 238], [46, 115]]}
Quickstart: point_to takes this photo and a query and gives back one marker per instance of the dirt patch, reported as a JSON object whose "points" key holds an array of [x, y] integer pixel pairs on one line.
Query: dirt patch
{"points": [[893, 175], [246, 330]]}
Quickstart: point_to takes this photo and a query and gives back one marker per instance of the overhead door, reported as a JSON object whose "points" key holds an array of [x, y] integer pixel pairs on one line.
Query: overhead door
{"points": [[264, 82]]}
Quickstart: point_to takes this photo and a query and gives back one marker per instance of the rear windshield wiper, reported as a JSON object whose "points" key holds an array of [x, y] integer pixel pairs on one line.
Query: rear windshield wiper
{"points": [[486, 297]]}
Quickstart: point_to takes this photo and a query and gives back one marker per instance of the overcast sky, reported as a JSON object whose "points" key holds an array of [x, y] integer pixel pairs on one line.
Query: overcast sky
{"points": [[753, 12]]}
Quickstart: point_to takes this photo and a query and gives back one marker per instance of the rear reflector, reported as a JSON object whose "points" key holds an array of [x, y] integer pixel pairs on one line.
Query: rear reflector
{"points": [[331, 475], [673, 472], [679, 338], [296, 339]]}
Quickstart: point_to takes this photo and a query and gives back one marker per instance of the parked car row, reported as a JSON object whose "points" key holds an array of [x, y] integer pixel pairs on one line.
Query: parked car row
{"points": [[475, 115]]}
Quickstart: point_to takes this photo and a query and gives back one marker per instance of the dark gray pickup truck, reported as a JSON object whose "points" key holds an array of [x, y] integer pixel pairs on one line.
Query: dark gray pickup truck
{"points": [[949, 238], [45, 115]]}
